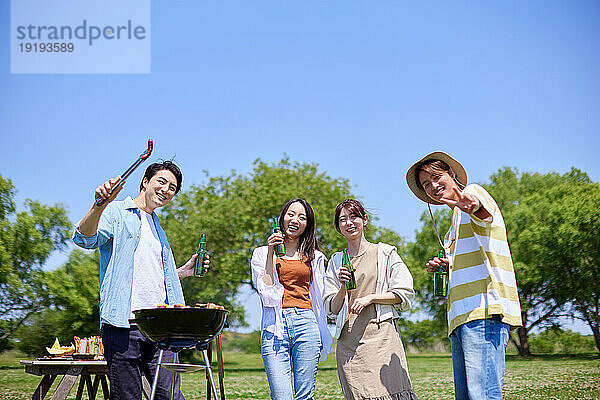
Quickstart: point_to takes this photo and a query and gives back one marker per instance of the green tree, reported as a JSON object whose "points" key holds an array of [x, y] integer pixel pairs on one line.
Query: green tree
{"points": [[517, 195], [424, 335], [72, 299], [511, 189], [557, 340], [560, 239], [234, 212], [73, 292], [38, 332], [26, 240]]}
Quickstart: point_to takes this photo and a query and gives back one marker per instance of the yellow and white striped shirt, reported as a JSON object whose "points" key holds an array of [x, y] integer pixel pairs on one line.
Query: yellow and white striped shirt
{"points": [[482, 278]]}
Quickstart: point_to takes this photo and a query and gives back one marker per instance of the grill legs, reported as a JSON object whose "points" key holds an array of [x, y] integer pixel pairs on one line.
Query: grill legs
{"points": [[209, 369], [173, 366], [155, 382]]}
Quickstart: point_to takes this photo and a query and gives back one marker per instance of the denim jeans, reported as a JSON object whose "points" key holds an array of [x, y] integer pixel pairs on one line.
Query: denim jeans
{"points": [[129, 354], [298, 350], [478, 349]]}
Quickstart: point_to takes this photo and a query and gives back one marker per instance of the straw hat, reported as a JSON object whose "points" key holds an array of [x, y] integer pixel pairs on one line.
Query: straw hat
{"points": [[411, 179]]}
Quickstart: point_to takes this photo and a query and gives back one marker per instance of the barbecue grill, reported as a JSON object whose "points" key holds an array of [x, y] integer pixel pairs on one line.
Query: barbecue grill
{"points": [[181, 328]]}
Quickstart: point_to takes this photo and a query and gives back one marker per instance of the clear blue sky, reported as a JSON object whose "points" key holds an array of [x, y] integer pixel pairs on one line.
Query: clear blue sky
{"points": [[361, 88]]}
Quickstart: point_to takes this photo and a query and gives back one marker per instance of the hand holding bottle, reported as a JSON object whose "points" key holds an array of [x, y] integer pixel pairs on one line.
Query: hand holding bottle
{"points": [[188, 268], [280, 246], [274, 240], [433, 264], [439, 265], [344, 275], [201, 262], [347, 265]]}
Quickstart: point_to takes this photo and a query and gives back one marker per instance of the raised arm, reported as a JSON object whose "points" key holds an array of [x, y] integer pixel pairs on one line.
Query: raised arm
{"points": [[88, 226]]}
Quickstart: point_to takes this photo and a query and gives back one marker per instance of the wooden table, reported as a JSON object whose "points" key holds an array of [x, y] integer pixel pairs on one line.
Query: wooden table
{"points": [[49, 370]]}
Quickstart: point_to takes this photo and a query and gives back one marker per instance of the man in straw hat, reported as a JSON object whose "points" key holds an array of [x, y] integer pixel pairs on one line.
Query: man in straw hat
{"points": [[482, 290]]}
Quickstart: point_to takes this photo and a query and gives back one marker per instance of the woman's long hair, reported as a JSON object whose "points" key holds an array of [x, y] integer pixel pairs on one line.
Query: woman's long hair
{"points": [[308, 240]]}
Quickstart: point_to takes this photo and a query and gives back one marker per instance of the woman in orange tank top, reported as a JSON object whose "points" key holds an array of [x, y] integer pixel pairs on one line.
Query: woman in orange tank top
{"points": [[294, 324]]}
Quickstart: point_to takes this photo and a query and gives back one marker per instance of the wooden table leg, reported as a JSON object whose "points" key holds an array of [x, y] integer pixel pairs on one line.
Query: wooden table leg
{"points": [[67, 382], [94, 388], [43, 387], [88, 385], [220, 362], [105, 390], [80, 389]]}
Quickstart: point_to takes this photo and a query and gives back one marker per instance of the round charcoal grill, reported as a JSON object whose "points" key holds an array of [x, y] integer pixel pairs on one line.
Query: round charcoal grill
{"points": [[177, 329], [172, 326]]}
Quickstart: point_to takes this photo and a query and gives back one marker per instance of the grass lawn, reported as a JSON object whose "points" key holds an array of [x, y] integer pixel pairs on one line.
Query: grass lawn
{"points": [[543, 377]]}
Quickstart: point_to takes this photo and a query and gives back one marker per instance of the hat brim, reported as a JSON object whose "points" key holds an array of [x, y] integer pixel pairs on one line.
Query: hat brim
{"points": [[415, 187]]}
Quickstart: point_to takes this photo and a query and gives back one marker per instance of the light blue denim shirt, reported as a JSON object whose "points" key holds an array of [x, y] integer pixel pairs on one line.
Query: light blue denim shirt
{"points": [[117, 238]]}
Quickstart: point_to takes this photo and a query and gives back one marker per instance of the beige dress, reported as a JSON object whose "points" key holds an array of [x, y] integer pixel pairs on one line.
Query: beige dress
{"points": [[370, 356]]}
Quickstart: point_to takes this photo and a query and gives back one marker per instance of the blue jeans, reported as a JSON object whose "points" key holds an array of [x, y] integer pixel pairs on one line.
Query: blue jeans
{"points": [[478, 349], [298, 350]]}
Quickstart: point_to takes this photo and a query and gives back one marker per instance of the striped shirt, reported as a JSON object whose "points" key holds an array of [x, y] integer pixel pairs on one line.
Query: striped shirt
{"points": [[482, 278]]}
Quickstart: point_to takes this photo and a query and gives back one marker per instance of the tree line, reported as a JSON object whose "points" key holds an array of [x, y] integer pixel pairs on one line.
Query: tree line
{"points": [[552, 222]]}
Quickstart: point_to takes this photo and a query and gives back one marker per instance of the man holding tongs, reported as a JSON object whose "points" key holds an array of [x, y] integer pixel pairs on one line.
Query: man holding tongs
{"points": [[137, 270]]}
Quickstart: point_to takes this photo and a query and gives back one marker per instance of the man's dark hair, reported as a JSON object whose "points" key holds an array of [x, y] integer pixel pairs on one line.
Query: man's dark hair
{"points": [[308, 240], [153, 169], [436, 167]]}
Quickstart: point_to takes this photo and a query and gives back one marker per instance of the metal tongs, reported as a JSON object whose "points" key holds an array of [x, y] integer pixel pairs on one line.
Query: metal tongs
{"points": [[121, 181]]}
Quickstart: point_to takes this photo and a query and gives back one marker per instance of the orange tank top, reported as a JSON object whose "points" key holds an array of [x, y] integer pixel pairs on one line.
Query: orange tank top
{"points": [[295, 276]]}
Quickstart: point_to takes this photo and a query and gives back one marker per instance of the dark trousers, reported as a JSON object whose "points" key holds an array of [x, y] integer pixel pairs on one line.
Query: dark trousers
{"points": [[129, 354]]}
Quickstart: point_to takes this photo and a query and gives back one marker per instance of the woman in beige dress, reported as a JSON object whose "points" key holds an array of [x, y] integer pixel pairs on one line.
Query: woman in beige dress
{"points": [[370, 356]]}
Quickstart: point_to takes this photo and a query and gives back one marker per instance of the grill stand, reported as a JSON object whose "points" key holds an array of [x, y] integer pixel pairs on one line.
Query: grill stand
{"points": [[175, 367]]}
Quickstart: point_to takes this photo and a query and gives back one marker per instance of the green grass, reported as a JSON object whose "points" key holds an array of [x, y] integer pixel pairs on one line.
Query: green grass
{"points": [[541, 377]]}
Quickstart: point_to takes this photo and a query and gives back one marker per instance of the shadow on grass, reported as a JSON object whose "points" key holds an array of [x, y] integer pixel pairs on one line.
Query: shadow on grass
{"points": [[10, 367], [233, 369], [550, 357], [429, 356]]}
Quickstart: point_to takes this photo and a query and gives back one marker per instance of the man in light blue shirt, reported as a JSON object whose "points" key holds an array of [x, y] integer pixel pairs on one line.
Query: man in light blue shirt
{"points": [[137, 270]]}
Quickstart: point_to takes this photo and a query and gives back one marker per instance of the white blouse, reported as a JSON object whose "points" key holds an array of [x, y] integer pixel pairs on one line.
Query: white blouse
{"points": [[271, 297]]}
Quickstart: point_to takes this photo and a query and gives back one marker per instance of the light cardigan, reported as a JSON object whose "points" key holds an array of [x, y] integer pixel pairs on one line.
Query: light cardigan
{"points": [[393, 277], [271, 297]]}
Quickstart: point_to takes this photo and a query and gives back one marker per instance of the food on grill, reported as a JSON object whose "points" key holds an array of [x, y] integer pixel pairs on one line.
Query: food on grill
{"points": [[163, 305], [211, 306]]}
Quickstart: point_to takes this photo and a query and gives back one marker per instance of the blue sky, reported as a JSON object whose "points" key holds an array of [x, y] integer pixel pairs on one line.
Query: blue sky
{"points": [[362, 89]]}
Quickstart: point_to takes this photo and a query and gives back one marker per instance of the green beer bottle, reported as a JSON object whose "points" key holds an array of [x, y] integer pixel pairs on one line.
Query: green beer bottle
{"points": [[440, 278], [351, 284], [199, 266], [280, 248]]}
